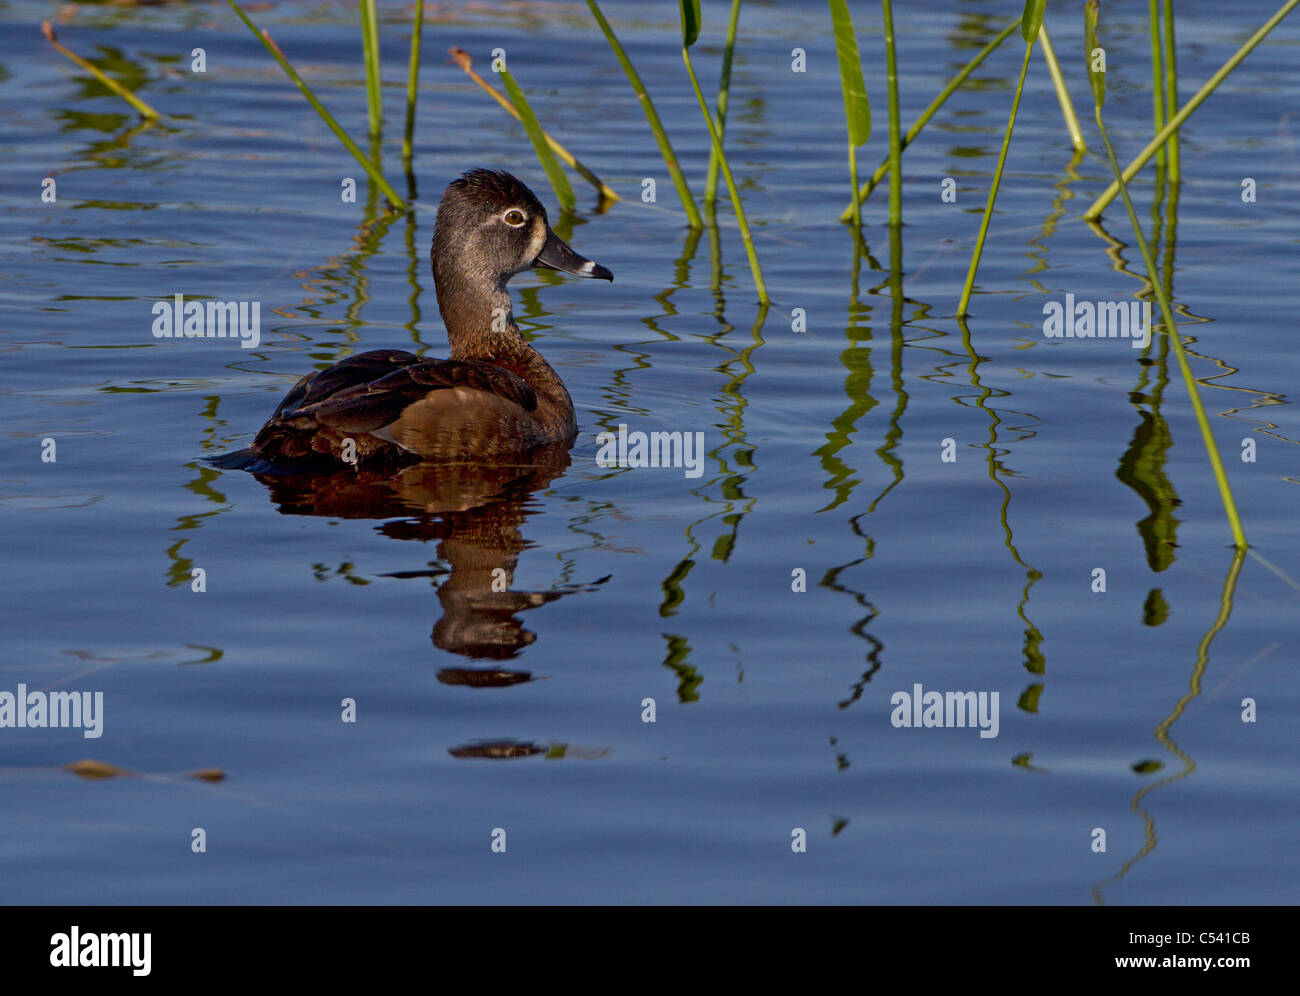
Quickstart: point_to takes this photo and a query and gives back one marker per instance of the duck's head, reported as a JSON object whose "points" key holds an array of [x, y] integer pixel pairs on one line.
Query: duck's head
{"points": [[490, 226]]}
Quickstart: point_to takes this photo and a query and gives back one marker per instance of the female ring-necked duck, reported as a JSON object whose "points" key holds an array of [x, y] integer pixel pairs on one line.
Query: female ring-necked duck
{"points": [[494, 399]]}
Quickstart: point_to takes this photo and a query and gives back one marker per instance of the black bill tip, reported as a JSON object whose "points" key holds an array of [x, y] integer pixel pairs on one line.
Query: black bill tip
{"points": [[590, 269], [556, 255]]}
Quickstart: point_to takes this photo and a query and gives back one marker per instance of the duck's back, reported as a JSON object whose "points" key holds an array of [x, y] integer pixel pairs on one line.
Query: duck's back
{"points": [[396, 408]]}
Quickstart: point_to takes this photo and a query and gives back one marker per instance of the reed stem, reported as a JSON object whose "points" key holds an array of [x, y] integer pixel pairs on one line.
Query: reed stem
{"points": [[145, 110], [1158, 117], [1062, 92], [1171, 92], [1175, 122], [370, 51], [930, 111], [1167, 315], [412, 85], [993, 191], [724, 91], [759, 284], [652, 117], [370, 168], [554, 172], [857, 108], [462, 59], [895, 142]]}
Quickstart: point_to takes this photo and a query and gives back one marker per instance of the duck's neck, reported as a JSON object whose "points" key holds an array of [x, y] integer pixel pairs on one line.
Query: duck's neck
{"points": [[481, 326]]}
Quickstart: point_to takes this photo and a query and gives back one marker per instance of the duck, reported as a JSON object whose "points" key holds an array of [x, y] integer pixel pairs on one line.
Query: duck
{"points": [[493, 400]]}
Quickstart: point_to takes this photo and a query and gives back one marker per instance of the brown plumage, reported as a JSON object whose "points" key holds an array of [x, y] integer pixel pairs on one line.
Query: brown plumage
{"points": [[495, 399]]}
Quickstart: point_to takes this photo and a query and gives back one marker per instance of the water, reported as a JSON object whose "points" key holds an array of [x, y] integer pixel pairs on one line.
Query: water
{"points": [[772, 707]]}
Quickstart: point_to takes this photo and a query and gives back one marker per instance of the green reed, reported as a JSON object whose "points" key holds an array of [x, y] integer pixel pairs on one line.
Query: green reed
{"points": [[371, 170], [412, 87], [895, 140], [1062, 93], [1030, 23], [147, 112], [857, 108], [930, 111], [462, 59], [545, 155], [1171, 91], [1175, 122], [1158, 118], [724, 95], [1097, 79], [656, 126], [370, 53], [690, 33]]}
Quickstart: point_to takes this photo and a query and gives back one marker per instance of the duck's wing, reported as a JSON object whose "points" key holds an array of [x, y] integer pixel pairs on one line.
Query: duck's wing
{"points": [[368, 392], [361, 369], [383, 383]]}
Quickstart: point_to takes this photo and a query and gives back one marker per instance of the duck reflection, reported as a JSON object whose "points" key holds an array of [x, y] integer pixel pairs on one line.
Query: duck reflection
{"points": [[475, 513]]}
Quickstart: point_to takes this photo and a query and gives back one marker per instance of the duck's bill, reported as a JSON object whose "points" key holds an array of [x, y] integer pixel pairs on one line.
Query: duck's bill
{"points": [[556, 255]]}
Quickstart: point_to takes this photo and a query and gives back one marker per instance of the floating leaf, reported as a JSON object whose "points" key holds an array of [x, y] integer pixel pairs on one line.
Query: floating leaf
{"points": [[87, 768], [857, 109], [690, 22]]}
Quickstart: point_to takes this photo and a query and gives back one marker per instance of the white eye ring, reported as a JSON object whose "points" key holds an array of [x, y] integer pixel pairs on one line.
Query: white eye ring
{"points": [[516, 213]]}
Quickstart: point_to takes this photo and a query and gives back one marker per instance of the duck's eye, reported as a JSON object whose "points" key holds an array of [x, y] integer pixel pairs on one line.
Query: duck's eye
{"points": [[514, 218]]}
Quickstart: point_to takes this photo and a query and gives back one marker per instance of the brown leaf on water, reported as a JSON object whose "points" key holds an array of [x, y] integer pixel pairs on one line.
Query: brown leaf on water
{"points": [[87, 768], [208, 774]]}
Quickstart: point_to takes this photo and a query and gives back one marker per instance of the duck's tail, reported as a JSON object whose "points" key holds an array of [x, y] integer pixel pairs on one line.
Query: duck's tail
{"points": [[249, 459], [279, 449]]}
